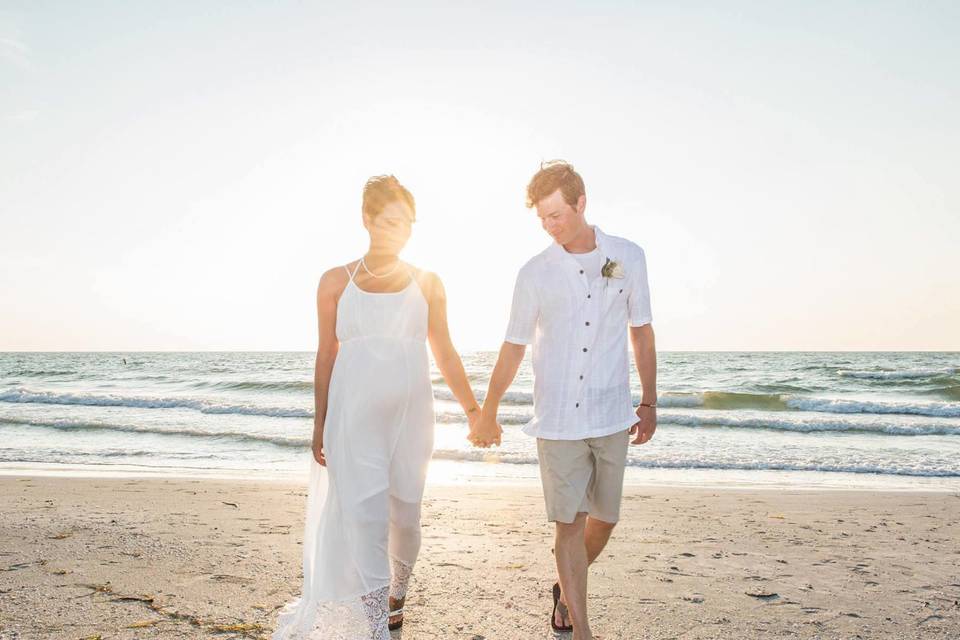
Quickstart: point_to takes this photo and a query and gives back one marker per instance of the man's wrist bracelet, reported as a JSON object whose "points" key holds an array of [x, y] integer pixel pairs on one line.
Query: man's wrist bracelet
{"points": [[647, 404]]}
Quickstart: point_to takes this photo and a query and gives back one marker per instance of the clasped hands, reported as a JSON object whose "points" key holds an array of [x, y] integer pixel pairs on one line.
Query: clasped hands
{"points": [[484, 429]]}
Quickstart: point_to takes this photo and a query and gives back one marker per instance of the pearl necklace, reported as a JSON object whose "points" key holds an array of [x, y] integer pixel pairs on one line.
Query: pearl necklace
{"points": [[386, 275]]}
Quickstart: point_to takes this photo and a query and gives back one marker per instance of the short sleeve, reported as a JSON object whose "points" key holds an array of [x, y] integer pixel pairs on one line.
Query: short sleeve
{"points": [[524, 311], [638, 302]]}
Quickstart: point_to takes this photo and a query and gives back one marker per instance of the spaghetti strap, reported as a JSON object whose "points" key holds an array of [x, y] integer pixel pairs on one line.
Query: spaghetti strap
{"points": [[355, 269]]}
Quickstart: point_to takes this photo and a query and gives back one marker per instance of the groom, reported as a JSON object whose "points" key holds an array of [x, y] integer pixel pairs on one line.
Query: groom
{"points": [[573, 302]]}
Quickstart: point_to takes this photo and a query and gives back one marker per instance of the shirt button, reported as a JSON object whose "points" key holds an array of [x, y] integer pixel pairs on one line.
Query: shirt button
{"points": [[581, 271], [581, 377], [578, 405], [584, 349], [588, 295], [588, 324]]}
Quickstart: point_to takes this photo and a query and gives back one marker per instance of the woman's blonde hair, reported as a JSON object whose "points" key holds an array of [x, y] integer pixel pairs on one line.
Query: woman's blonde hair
{"points": [[379, 191]]}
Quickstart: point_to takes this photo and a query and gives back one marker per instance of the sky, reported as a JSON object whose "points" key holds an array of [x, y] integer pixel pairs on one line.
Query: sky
{"points": [[178, 175]]}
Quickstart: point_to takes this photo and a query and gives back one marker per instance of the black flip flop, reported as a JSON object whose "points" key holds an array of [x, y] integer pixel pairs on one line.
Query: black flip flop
{"points": [[393, 626], [563, 611]]}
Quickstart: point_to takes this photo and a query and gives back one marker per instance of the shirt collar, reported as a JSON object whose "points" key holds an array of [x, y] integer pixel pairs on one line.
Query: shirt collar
{"points": [[557, 252]]}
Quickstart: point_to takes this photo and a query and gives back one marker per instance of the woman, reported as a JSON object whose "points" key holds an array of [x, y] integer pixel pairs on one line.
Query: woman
{"points": [[373, 430]]}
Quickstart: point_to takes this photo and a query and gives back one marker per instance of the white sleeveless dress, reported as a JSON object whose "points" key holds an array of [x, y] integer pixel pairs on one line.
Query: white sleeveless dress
{"points": [[363, 509]]}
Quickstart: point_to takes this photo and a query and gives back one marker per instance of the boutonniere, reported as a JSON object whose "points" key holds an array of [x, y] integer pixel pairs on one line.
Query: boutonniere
{"points": [[612, 269]]}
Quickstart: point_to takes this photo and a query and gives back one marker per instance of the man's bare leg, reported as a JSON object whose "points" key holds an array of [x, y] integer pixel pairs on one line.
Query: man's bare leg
{"points": [[571, 556], [596, 535]]}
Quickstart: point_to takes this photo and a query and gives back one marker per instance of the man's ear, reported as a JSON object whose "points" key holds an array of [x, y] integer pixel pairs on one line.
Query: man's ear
{"points": [[581, 203]]}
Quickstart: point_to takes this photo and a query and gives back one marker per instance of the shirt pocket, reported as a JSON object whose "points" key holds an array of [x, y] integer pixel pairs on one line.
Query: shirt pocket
{"points": [[615, 298]]}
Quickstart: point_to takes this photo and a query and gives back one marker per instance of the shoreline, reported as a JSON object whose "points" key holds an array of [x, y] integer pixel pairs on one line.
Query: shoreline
{"points": [[446, 473]]}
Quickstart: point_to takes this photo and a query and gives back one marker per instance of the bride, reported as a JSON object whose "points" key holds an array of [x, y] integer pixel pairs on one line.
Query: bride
{"points": [[373, 430]]}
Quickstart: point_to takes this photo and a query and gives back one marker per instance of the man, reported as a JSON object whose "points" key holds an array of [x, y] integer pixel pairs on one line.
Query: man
{"points": [[573, 302]]}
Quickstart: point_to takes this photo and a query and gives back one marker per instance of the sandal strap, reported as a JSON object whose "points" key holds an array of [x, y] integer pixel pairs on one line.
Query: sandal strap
{"points": [[396, 612]]}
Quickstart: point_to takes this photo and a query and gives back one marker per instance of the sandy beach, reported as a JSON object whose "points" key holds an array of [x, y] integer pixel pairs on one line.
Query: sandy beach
{"points": [[182, 558]]}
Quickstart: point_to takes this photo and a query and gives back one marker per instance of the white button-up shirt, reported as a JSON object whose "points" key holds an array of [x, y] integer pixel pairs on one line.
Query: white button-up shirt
{"points": [[578, 329]]}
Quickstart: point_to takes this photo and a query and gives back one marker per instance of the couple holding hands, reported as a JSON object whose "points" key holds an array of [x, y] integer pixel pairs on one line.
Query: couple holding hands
{"points": [[575, 302]]}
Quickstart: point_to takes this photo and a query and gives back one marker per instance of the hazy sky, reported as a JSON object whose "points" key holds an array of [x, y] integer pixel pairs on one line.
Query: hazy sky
{"points": [[178, 175]]}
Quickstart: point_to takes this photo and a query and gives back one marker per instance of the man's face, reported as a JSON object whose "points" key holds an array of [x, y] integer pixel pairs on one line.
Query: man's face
{"points": [[391, 228], [561, 220]]}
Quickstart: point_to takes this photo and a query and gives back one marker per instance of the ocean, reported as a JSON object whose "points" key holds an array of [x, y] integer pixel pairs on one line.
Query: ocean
{"points": [[779, 419]]}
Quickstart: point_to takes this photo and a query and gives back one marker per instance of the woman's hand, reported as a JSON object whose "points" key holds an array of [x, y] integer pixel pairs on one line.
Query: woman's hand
{"points": [[485, 431], [317, 447], [473, 415]]}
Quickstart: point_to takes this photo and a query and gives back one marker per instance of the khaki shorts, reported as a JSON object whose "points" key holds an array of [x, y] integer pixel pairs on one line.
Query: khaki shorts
{"points": [[583, 476]]}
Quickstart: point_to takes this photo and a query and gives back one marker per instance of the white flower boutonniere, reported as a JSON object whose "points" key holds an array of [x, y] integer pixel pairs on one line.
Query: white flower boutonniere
{"points": [[612, 269]]}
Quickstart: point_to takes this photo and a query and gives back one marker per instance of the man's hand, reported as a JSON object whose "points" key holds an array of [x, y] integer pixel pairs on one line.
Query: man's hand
{"points": [[318, 447], [644, 427], [485, 431]]}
